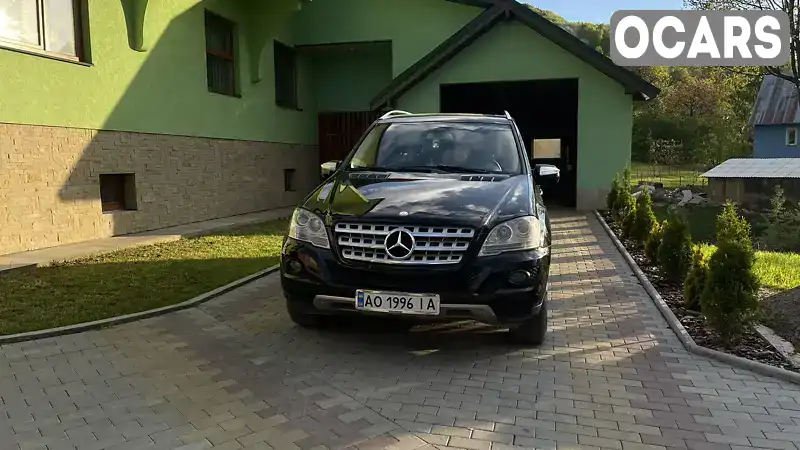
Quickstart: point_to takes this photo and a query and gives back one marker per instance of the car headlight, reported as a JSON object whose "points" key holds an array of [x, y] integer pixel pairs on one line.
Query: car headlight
{"points": [[308, 227], [522, 233]]}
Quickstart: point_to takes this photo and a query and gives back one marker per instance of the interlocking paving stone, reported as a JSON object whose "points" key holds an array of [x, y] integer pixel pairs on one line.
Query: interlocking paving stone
{"points": [[236, 374]]}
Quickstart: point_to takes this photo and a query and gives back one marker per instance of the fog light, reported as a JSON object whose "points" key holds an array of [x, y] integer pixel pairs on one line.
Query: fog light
{"points": [[519, 277], [295, 266]]}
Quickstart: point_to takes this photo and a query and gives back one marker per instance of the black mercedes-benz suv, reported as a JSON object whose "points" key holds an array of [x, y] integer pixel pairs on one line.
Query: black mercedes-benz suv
{"points": [[431, 217]]}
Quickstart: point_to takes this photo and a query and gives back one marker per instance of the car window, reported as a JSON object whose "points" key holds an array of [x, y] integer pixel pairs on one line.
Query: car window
{"points": [[470, 146]]}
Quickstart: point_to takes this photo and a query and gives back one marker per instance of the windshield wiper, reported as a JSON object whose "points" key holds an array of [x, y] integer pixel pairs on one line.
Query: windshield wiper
{"points": [[426, 169], [459, 169], [439, 168], [370, 169]]}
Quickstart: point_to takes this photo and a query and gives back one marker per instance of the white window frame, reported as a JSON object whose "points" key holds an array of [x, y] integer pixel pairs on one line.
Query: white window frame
{"points": [[789, 142], [78, 12]]}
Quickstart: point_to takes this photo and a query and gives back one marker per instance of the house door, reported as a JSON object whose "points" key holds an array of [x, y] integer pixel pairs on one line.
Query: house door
{"points": [[339, 132]]}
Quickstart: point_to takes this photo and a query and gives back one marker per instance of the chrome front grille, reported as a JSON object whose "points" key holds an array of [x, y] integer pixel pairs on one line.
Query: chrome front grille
{"points": [[431, 244]]}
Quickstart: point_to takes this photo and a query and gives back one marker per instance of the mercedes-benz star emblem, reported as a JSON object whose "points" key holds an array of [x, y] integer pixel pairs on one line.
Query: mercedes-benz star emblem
{"points": [[399, 244]]}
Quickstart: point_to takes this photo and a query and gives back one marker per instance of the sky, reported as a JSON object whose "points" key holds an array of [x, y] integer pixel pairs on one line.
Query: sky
{"points": [[600, 11]]}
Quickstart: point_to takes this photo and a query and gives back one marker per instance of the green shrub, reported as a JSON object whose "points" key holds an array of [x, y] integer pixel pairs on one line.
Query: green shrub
{"points": [[696, 279], [782, 232], [611, 198], [645, 218], [629, 218], [729, 298], [731, 227], [675, 251], [624, 196], [653, 241]]}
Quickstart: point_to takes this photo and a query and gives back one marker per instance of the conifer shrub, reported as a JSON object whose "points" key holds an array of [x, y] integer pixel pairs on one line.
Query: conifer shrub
{"points": [[629, 218], [653, 241], [675, 251], [696, 279], [782, 233], [731, 227], [729, 298], [624, 197], [611, 198], [645, 219]]}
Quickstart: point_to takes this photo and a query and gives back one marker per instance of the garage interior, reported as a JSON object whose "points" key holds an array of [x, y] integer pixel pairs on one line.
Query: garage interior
{"points": [[546, 112]]}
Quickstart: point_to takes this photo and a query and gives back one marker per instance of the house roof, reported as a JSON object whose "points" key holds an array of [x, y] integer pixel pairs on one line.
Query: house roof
{"points": [[756, 168], [776, 103], [496, 12]]}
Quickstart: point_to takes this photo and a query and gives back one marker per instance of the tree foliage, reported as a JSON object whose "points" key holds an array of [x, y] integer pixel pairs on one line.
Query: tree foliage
{"points": [[791, 71], [782, 233], [701, 115]]}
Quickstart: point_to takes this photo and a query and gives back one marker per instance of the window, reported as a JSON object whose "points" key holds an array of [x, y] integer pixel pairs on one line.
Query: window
{"points": [[546, 148], [288, 180], [220, 55], [118, 192], [468, 147], [51, 27], [285, 76], [791, 136]]}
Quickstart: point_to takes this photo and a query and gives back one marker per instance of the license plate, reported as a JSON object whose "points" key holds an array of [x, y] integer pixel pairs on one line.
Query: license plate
{"points": [[397, 302]]}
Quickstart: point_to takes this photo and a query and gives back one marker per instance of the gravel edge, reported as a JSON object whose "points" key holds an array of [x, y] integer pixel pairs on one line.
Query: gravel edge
{"points": [[103, 323], [680, 331]]}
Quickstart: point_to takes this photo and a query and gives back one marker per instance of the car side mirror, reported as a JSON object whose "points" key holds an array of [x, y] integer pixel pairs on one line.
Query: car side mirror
{"points": [[329, 167], [547, 174]]}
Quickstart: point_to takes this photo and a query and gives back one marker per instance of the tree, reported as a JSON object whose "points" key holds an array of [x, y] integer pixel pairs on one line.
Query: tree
{"points": [[790, 7]]}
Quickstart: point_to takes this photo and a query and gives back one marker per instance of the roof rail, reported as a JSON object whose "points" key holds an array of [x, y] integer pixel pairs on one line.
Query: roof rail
{"points": [[393, 113], [508, 116]]}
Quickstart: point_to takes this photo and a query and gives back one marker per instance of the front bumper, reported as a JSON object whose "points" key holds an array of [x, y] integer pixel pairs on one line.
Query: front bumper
{"points": [[318, 281]]}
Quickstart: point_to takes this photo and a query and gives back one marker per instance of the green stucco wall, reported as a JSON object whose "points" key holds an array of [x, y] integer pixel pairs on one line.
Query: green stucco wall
{"points": [[347, 78], [509, 52], [415, 27], [161, 90], [512, 52]]}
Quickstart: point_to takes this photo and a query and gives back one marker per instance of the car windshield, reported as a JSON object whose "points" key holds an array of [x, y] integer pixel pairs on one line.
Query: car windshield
{"points": [[470, 147]]}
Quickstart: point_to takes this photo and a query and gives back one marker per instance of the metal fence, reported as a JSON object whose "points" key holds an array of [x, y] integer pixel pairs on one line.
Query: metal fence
{"points": [[671, 176]]}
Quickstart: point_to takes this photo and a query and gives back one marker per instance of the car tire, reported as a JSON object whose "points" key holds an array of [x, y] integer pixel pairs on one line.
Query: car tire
{"points": [[533, 330], [300, 316]]}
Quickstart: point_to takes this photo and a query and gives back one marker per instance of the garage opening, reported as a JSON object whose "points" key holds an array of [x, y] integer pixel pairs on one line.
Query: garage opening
{"points": [[546, 112]]}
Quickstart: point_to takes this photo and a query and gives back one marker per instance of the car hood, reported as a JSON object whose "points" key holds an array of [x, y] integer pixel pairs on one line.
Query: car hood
{"points": [[422, 199]]}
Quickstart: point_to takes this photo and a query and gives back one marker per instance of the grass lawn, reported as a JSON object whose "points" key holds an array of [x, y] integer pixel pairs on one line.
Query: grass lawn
{"points": [[779, 271], [672, 177], [135, 279]]}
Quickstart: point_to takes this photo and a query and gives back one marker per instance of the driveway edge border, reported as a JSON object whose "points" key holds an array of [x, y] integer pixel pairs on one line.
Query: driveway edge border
{"points": [[118, 320], [680, 331]]}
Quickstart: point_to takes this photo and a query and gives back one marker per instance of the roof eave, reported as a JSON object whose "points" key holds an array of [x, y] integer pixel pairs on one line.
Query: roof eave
{"points": [[465, 36], [478, 3], [633, 83], [641, 89]]}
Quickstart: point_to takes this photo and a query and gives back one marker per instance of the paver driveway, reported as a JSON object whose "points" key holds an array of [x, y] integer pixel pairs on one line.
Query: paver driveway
{"points": [[235, 373]]}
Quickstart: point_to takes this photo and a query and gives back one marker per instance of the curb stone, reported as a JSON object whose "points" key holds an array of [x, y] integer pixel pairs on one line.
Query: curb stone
{"points": [[680, 331], [118, 320]]}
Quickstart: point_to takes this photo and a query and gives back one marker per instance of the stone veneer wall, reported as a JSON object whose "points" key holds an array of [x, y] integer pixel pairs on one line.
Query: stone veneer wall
{"points": [[50, 185]]}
